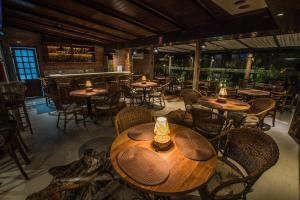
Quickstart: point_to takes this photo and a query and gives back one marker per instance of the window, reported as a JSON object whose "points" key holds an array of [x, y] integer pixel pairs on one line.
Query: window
{"points": [[26, 63]]}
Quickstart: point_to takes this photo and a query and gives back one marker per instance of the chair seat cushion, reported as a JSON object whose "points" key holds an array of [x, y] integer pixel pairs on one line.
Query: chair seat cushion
{"points": [[225, 172], [237, 116]]}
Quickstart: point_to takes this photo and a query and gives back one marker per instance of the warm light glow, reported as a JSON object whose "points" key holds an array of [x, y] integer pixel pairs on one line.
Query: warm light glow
{"points": [[88, 84], [223, 92], [144, 78], [162, 138]]}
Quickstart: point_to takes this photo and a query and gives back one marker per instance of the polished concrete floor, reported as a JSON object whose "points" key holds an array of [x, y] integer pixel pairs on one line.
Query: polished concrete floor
{"points": [[52, 147]]}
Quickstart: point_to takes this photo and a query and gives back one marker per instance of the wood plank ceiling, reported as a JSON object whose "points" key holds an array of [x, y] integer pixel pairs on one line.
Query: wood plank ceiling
{"points": [[130, 23]]}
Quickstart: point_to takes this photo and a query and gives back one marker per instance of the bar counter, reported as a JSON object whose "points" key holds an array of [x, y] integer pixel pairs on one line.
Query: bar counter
{"points": [[89, 74]]}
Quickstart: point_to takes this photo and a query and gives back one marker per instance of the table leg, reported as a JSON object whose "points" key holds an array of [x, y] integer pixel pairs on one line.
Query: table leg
{"points": [[89, 109]]}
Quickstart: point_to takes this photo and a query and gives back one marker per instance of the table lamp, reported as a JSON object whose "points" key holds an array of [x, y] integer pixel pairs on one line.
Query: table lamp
{"points": [[222, 95], [144, 79], [162, 139], [88, 85]]}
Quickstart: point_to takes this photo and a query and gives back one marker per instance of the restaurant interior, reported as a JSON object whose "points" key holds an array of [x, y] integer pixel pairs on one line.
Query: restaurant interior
{"points": [[148, 99]]}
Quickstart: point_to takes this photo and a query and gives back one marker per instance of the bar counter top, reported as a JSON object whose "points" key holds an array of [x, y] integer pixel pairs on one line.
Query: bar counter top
{"points": [[89, 74]]}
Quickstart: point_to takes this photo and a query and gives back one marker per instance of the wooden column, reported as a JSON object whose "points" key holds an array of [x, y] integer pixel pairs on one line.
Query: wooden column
{"points": [[170, 65], [130, 60], [151, 71], [248, 66], [196, 75]]}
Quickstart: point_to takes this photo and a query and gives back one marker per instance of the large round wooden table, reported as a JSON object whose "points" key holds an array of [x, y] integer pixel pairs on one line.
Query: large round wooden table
{"points": [[87, 95], [229, 105], [253, 92], [144, 86], [185, 175]]}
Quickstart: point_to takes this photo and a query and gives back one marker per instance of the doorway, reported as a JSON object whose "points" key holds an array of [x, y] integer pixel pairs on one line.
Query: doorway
{"points": [[27, 69]]}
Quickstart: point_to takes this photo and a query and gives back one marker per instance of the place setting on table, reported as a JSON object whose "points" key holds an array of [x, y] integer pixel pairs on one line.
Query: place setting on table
{"points": [[163, 159]]}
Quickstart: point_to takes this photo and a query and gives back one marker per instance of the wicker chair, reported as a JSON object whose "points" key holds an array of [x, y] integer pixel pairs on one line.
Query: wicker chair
{"points": [[190, 98], [254, 117], [208, 123], [203, 90], [280, 99], [232, 93], [157, 95], [111, 105], [78, 83], [248, 153], [131, 116]]}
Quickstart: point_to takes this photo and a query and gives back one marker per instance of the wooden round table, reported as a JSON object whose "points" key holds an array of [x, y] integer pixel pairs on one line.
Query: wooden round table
{"points": [[84, 94], [185, 175], [253, 93], [229, 105], [148, 84]]}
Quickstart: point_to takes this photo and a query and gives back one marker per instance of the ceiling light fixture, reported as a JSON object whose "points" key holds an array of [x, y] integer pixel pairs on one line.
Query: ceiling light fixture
{"points": [[279, 14]]}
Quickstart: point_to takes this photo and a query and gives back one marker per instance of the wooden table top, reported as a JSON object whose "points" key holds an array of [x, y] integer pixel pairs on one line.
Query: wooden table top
{"points": [[84, 93], [185, 175], [144, 85], [229, 105], [253, 92]]}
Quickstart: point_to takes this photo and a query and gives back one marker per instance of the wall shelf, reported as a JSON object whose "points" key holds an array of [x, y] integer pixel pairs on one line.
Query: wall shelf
{"points": [[70, 53]]}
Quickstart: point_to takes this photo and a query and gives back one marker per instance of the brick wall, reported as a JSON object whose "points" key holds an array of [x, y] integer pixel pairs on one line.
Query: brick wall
{"points": [[17, 37], [144, 66]]}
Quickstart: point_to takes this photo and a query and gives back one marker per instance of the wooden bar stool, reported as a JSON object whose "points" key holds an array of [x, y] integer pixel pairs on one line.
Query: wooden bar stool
{"points": [[15, 103], [9, 142]]}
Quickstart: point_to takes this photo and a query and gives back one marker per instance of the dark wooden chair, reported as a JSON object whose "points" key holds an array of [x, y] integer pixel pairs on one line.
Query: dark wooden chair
{"points": [[68, 111], [99, 82], [280, 99], [110, 105], [208, 123], [15, 103], [248, 153], [10, 142], [131, 94], [157, 95], [78, 83]]}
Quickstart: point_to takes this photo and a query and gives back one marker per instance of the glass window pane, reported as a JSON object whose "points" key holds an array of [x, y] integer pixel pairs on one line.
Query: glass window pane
{"points": [[34, 76], [20, 65], [30, 52], [26, 65], [21, 71], [19, 59], [33, 70], [18, 53], [28, 71], [31, 59], [23, 77], [28, 76], [24, 52], [32, 65], [25, 59]]}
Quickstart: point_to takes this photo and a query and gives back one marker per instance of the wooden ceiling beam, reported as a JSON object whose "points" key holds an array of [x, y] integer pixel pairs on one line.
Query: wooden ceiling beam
{"points": [[36, 3], [204, 7], [46, 29], [99, 33], [113, 13], [45, 21], [158, 13], [243, 43]]}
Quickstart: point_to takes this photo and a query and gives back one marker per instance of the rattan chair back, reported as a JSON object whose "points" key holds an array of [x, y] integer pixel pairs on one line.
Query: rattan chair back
{"points": [[190, 96], [261, 106], [131, 116]]}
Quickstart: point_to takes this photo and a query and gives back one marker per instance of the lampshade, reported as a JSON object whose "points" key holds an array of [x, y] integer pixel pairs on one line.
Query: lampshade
{"points": [[88, 84], [144, 78], [162, 138], [223, 92]]}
